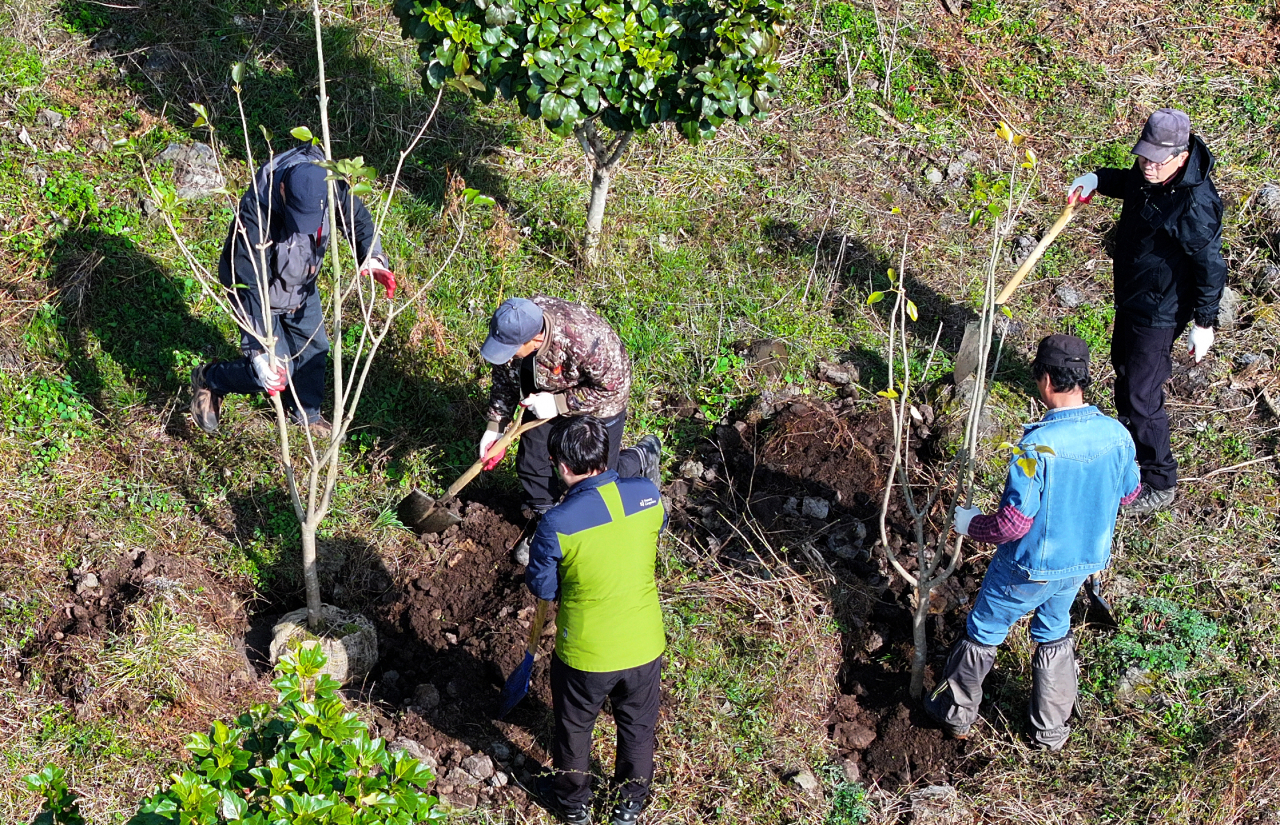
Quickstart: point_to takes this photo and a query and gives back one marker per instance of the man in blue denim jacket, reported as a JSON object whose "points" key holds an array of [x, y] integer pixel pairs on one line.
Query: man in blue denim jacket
{"points": [[1053, 531]]}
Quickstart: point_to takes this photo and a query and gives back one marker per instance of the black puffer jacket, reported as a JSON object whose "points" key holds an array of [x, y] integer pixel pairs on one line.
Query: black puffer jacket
{"points": [[292, 261], [1168, 259]]}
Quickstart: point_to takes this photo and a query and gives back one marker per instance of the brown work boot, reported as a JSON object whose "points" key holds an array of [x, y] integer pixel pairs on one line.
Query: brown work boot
{"points": [[320, 428], [206, 405]]}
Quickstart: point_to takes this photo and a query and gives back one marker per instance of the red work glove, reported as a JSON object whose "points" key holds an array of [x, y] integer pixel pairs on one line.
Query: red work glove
{"points": [[492, 457], [272, 381], [385, 277]]}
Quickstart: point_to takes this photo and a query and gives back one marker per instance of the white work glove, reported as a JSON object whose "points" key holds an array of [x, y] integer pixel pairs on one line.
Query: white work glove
{"points": [[272, 381], [487, 440], [1087, 184], [541, 404], [964, 515], [1199, 339]]}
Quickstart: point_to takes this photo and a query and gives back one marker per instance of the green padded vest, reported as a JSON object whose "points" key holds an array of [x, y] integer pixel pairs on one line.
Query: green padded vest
{"points": [[609, 618]]}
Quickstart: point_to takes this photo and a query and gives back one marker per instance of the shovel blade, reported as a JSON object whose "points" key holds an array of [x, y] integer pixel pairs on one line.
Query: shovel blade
{"points": [[423, 514], [516, 687], [1099, 612], [967, 357], [438, 520]]}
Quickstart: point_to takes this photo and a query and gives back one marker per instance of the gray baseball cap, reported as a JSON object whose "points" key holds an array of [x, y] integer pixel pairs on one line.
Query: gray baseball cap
{"points": [[1167, 131], [514, 324]]}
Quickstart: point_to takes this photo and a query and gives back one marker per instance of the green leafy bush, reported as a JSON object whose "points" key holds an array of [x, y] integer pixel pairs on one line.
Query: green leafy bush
{"points": [[307, 761], [634, 63], [1156, 635]]}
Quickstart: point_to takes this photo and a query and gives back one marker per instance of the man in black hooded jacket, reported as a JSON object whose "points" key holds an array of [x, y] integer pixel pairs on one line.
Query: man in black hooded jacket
{"points": [[1169, 272], [274, 248]]}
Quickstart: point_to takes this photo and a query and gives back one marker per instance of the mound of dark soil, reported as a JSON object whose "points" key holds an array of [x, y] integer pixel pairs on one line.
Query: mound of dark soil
{"points": [[813, 478], [449, 640]]}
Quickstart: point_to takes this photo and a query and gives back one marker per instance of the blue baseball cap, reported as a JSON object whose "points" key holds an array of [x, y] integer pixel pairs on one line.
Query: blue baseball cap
{"points": [[517, 322], [306, 194]]}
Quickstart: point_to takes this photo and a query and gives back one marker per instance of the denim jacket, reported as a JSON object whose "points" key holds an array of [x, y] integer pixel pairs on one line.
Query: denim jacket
{"points": [[1073, 495]]}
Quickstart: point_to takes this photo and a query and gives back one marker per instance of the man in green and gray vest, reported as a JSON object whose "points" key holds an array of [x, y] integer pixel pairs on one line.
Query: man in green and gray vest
{"points": [[595, 552]]}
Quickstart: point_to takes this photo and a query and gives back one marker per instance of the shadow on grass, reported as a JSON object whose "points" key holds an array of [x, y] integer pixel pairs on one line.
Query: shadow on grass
{"points": [[845, 264], [177, 53], [130, 335]]}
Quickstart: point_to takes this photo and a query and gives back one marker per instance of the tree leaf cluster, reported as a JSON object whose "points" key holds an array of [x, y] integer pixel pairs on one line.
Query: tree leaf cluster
{"points": [[305, 762], [629, 63]]}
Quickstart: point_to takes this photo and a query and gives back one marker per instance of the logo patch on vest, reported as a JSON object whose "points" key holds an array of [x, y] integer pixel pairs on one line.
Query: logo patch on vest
{"points": [[648, 502]]}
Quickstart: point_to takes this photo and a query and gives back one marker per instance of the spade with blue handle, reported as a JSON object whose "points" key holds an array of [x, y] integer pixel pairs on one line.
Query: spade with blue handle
{"points": [[518, 682]]}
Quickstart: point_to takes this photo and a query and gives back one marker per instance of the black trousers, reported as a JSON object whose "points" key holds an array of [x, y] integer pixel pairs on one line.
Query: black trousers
{"points": [[542, 487], [577, 696], [303, 346], [1142, 357]]}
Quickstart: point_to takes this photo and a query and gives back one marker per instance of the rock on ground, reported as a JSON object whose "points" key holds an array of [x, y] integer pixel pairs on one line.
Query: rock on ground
{"points": [[938, 805], [1068, 296], [195, 169], [478, 765], [804, 780], [1228, 308], [1269, 202]]}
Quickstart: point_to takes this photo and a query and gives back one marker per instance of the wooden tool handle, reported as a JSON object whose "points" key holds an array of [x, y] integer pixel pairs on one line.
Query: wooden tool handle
{"points": [[539, 619], [514, 429], [1031, 260]]}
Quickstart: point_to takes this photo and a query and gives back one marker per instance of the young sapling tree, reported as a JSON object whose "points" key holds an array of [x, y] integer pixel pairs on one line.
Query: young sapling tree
{"points": [[312, 472], [936, 554]]}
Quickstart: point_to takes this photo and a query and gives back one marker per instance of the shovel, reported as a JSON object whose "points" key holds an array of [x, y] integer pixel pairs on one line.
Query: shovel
{"points": [[967, 356], [518, 682], [1099, 611], [423, 514]]}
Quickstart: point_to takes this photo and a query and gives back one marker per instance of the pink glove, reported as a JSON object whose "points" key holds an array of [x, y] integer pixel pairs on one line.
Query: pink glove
{"points": [[492, 458]]}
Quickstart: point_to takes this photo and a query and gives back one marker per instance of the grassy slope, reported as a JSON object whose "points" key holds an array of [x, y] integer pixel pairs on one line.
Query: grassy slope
{"points": [[707, 245]]}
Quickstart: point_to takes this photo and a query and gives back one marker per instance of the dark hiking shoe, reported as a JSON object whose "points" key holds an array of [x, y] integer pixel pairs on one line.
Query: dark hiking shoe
{"points": [[320, 428], [935, 707], [627, 812], [572, 814], [520, 553], [534, 513], [650, 449], [206, 405], [1150, 500]]}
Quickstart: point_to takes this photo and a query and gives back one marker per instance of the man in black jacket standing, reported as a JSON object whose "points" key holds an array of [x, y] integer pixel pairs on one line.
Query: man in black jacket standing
{"points": [[270, 260], [1168, 272]]}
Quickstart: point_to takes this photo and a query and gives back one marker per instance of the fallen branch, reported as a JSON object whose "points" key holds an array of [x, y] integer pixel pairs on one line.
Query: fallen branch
{"points": [[1230, 469]]}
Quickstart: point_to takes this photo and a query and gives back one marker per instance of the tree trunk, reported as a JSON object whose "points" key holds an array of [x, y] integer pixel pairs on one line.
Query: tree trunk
{"points": [[601, 177], [604, 161], [310, 575], [920, 653]]}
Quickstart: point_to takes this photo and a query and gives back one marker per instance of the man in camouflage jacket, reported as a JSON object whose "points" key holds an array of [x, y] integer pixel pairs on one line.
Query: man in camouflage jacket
{"points": [[556, 357]]}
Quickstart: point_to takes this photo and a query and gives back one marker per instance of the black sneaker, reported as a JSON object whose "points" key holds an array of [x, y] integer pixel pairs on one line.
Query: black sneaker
{"points": [[650, 449], [627, 812], [572, 814], [1150, 500], [206, 405]]}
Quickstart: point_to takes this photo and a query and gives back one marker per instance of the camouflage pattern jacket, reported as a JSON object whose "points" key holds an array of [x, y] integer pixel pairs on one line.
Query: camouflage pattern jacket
{"points": [[582, 361]]}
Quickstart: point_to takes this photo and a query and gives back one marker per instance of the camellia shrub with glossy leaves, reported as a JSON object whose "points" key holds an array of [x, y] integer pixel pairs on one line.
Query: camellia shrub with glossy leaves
{"points": [[307, 761], [622, 64]]}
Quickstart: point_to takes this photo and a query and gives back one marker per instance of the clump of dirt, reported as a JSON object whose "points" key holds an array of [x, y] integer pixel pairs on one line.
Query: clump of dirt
{"points": [[812, 480], [97, 597]]}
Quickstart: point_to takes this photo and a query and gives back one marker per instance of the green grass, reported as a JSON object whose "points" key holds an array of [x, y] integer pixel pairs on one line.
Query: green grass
{"points": [[107, 322]]}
